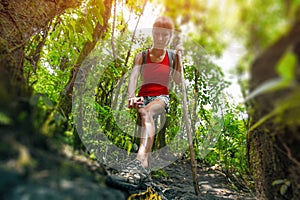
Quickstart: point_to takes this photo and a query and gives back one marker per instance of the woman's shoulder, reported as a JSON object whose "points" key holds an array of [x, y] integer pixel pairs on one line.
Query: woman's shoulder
{"points": [[138, 59]]}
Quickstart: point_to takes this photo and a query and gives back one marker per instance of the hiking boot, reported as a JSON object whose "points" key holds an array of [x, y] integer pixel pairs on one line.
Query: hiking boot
{"points": [[135, 173]]}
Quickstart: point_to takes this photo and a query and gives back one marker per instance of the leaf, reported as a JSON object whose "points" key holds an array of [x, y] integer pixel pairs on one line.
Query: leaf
{"points": [[286, 66], [97, 13], [70, 31], [135, 147], [88, 31], [279, 181], [269, 86], [73, 24], [283, 189], [55, 33], [100, 20], [34, 99], [93, 156], [79, 28], [129, 146], [4, 119], [47, 101], [290, 103]]}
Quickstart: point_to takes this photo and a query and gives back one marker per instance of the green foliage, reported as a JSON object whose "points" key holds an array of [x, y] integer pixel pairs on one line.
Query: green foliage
{"points": [[286, 112], [42, 105], [230, 150], [287, 108], [105, 90], [51, 56], [160, 173], [262, 25], [200, 21]]}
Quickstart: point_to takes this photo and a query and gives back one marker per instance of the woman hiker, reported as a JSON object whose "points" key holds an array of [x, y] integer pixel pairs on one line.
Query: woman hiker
{"points": [[153, 96]]}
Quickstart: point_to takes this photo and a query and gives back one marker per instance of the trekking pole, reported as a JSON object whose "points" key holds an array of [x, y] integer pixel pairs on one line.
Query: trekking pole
{"points": [[188, 128]]}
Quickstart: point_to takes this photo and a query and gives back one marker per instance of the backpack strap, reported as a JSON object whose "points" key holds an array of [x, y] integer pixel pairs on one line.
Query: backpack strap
{"points": [[172, 60], [145, 56]]}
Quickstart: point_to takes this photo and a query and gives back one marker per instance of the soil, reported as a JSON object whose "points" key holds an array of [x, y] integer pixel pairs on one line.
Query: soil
{"points": [[213, 183], [32, 173]]}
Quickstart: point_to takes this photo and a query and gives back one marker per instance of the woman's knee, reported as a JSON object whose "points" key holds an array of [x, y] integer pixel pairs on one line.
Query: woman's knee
{"points": [[145, 114]]}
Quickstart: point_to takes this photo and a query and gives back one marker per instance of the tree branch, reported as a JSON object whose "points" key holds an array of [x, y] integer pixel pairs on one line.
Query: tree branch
{"points": [[133, 35], [113, 33]]}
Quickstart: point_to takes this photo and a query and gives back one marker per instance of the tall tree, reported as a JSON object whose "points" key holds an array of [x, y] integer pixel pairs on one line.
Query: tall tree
{"points": [[19, 21], [99, 32], [273, 142]]}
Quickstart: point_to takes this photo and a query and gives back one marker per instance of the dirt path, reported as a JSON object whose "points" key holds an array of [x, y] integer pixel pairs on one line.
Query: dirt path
{"points": [[213, 184], [51, 175]]}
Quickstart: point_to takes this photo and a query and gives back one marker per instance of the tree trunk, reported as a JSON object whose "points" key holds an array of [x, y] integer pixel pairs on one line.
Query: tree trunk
{"points": [[160, 136], [65, 103], [19, 21], [273, 147]]}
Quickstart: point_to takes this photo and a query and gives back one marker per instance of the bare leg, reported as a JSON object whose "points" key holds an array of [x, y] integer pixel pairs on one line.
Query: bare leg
{"points": [[147, 113]]}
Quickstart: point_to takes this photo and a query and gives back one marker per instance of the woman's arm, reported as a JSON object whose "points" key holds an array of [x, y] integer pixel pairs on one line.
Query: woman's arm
{"points": [[177, 70], [132, 99], [134, 75]]}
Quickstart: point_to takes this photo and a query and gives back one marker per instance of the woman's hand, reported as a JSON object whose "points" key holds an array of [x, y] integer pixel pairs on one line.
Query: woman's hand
{"points": [[135, 102], [179, 49]]}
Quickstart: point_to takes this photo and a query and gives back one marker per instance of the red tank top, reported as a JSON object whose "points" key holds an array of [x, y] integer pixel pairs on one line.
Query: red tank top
{"points": [[155, 77]]}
